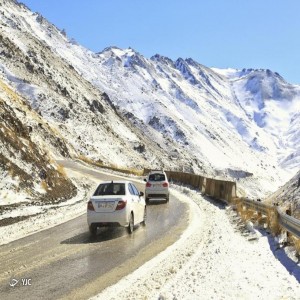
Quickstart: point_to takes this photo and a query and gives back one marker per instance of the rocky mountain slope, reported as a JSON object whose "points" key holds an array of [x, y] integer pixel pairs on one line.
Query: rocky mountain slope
{"points": [[26, 165], [49, 111], [119, 107], [235, 124], [288, 196], [83, 115]]}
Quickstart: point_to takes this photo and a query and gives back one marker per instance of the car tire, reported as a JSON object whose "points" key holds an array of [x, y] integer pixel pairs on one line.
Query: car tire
{"points": [[93, 229], [145, 217], [131, 224], [167, 199], [147, 201]]}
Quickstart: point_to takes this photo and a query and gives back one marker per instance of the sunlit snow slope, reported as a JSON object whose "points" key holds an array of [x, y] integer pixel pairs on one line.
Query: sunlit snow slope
{"points": [[120, 107]]}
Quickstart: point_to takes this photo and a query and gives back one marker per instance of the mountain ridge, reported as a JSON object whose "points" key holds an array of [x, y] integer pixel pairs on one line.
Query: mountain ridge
{"points": [[209, 121]]}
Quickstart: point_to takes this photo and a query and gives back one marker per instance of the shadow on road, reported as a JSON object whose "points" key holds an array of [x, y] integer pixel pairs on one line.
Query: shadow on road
{"points": [[103, 234], [156, 202]]}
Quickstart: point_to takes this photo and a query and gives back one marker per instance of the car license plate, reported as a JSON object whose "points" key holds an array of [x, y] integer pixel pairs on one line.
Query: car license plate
{"points": [[108, 205]]}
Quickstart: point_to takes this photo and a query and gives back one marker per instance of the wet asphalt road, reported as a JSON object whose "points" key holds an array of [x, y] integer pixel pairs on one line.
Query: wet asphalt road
{"points": [[64, 262]]}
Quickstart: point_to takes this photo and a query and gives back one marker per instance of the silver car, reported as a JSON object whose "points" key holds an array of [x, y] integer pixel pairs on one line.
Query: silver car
{"points": [[157, 186], [116, 203]]}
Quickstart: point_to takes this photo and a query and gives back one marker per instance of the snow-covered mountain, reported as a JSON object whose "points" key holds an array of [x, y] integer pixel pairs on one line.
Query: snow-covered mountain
{"points": [[274, 105], [233, 123], [26, 166], [288, 196], [53, 112], [119, 107]]}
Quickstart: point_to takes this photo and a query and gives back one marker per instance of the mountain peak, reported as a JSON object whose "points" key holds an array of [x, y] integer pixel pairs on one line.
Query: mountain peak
{"points": [[263, 72], [217, 116], [119, 51], [161, 58]]}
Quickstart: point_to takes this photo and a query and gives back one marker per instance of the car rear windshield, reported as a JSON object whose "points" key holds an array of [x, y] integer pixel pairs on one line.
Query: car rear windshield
{"points": [[157, 177], [110, 189]]}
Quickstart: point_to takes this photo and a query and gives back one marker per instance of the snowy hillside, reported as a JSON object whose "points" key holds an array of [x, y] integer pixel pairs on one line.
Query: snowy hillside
{"points": [[83, 115], [288, 196], [119, 107], [274, 105], [49, 111], [27, 170], [205, 113]]}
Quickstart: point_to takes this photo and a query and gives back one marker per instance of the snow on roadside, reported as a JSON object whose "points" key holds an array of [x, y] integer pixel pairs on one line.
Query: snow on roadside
{"points": [[48, 215], [211, 260]]}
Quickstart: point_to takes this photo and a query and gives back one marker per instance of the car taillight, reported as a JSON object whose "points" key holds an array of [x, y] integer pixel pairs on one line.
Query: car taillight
{"points": [[90, 206], [148, 184], [121, 204], [165, 184]]}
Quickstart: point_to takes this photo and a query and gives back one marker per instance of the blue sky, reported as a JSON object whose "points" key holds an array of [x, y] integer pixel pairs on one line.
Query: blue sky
{"points": [[216, 33]]}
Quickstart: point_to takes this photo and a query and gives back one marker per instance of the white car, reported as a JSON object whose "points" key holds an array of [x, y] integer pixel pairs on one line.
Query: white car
{"points": [[157, 186], [116, 203]]}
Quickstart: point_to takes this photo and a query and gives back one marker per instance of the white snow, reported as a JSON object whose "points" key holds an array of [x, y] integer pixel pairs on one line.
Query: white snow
{"points": [[7, 184], [46, 216], [227, 123], [212, 260], [229, 72], [215, 118]]}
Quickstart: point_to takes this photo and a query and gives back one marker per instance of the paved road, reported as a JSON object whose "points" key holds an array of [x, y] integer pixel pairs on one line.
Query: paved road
{"points": [[64, 262]]}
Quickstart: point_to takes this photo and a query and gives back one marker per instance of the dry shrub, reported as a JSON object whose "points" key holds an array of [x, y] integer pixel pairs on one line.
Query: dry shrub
{"points": [[247, 215], [11, 172], [61, 170], [273, 221], [234, 201], [112, 166], [244, 212], [296, 243], [85, 159], [9, 92], [261, 219], [240, 208], [125, 170], [44, 185]]}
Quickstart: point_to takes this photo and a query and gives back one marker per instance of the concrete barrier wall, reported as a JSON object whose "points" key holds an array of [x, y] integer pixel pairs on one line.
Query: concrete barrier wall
{"points": [[220, 189], [226, 190]]}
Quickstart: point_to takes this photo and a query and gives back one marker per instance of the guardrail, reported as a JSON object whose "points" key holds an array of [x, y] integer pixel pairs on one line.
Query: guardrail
{"points": [[220, 189], [226, 190], [287, 222], [290, 223], [257, 206]]}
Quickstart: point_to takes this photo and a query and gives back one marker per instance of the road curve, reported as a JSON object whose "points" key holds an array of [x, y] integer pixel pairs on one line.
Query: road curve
{"points": [[64, 262]]}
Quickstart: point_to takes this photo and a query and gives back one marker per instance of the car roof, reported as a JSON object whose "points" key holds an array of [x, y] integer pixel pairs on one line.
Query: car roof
{"points": [[157, 171], [115, 181]]}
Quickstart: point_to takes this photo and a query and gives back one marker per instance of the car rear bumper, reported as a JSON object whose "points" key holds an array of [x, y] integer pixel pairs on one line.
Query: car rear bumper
{"points": [[116, 218], [157, 195]]}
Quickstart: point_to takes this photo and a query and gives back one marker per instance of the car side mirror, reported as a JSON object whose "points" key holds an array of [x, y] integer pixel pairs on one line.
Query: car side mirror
{"points": [[141, 194], [145, 179]]}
